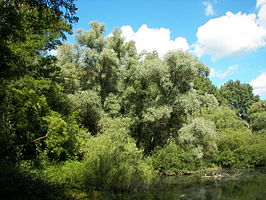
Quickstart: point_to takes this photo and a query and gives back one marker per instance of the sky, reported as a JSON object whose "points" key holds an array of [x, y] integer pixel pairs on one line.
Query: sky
{"points": [[229, 36]]}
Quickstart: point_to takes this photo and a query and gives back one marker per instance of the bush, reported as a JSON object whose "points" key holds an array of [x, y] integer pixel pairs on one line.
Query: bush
{"points": [[258, 150], [111, 161], [64, 138], [224, 117], [240, 149], [114, 162], [70, 173], [258, 121], [173, 159]]}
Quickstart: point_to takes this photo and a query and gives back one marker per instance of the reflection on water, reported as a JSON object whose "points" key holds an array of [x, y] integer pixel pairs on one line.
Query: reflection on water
{"points": [[246, 184]]}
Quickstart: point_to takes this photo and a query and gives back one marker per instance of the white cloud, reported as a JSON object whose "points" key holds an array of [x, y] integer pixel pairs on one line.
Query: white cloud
{"points": [[259, 84], [230, 35], [150, 39], [261, 5], [218, 74], [53, 52], [208, 8]]}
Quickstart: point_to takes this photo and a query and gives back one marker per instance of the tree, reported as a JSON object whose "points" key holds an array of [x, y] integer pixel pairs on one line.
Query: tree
{"points": [[199, 137], [238, 96], [68, 60], [235, 141], [59, 143], [160, 92], [88, 106], [104, 65], [28, 91], [257, 112], [36, 117], [203, 85], [257, 107], [21, 119], [225, 118], [28, 28]]}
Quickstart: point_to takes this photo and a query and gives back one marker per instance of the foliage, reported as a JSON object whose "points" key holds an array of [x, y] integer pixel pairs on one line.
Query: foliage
{"points": [[257, 107], [236, 144], [225, 118], [238, 96], [199, 137], [25, 35], [113, 161], [258, 121], [257, 114], [203, 85], [161, 95], [238, 149], [88, 106], [100, 115], [23, 109], [152, 91], [257, 150], [173, 159], [27, 29], [19, 184], [69, 173], [232, 148], [61, 139]]}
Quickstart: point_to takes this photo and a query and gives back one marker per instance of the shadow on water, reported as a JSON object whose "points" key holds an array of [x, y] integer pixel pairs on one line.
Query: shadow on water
{"points": [[245, 184]]}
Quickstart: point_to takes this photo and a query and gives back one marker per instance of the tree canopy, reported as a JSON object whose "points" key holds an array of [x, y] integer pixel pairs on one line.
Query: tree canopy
{"points": [[238, 96]]}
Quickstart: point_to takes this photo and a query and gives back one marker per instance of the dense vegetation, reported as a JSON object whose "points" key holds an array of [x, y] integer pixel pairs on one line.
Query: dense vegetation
{"points": [[98, 115]]}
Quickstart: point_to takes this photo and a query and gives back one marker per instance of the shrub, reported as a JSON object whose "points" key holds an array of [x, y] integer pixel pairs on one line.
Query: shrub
{"points": [[114, 162], [70, 173], [224, 117], [173, 159], [240, 149]]}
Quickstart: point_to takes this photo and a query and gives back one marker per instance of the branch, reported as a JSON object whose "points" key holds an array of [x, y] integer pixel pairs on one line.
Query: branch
{"points": [[40, 138]]}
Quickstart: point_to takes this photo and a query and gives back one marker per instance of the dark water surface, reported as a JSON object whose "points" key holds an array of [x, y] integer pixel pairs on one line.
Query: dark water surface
{"points": [[245, 184]]}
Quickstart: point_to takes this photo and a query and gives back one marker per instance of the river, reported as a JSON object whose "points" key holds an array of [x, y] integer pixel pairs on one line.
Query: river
{"points": [[244, 184]]}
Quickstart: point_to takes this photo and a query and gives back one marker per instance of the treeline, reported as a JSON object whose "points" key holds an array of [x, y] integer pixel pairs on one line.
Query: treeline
{"points": [[98, 115]]}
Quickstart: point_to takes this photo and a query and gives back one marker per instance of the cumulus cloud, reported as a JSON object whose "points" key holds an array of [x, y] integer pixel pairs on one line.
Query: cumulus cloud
{"points": [[229, 35], [208, 8], [218, 74], [150, 39], [259, 84], [261, 5], [232, 34]]}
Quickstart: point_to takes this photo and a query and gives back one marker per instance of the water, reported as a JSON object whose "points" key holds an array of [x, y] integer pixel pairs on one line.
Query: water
{"points": [[246, 184]]}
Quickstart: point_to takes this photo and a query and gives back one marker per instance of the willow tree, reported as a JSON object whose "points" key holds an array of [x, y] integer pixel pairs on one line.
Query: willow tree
{"points": [[160, 96], [155, 93]]}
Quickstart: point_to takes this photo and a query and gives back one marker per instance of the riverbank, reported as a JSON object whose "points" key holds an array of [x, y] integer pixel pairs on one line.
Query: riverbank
{"points": [[250, 183], [17, 184], [208, 170]]}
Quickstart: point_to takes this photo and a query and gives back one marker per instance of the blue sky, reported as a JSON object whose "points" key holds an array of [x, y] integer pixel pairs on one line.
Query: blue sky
{"points": [[228, 36]]}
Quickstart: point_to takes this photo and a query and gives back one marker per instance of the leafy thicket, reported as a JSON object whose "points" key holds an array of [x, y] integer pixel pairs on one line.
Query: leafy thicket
{"points": [[99, 115]]}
